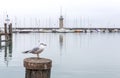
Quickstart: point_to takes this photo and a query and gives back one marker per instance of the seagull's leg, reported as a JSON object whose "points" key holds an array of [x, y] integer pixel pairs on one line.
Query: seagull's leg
{"points": [[37, 55]]}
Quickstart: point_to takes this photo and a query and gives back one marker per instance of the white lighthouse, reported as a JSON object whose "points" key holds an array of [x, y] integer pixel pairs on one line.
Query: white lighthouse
{"points": [[7, 20]]}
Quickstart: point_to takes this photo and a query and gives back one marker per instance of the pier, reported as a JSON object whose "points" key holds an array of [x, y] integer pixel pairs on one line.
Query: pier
{"points": [[64, 30]]}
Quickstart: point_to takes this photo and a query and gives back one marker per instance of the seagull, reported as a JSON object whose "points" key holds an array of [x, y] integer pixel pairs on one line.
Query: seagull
{"points": [[37, 50]]}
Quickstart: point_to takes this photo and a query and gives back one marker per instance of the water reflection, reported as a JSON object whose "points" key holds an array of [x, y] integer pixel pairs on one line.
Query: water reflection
{"points": [[7, 49], [74, 55], [61, 41]]}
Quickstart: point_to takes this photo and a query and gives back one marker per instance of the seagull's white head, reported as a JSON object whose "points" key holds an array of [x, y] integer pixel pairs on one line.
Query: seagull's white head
{"points": [[42, 45]]}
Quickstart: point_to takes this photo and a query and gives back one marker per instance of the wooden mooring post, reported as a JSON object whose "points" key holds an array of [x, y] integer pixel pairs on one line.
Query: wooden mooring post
{"points": [[37, 67], [10, 31], [7, 32]]}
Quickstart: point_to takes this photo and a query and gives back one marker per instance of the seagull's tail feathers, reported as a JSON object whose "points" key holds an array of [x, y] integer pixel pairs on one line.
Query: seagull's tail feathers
{"points": [[26, 51]]}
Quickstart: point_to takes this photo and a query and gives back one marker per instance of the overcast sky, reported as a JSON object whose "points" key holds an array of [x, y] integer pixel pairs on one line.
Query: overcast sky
{"points": [[85, 12]]}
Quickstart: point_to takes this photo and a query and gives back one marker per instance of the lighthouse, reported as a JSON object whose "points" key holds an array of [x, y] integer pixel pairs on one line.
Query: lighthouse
{"points": [[61, 22], [7, 20]]}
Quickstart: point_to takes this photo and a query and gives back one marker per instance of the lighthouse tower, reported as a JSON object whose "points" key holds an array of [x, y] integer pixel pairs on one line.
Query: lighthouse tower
{"points": [[61, 19], [7, 20], [61, 22]]}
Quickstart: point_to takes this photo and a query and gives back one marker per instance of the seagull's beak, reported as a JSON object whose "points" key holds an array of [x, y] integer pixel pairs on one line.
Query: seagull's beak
{"points": [[45, 44]]}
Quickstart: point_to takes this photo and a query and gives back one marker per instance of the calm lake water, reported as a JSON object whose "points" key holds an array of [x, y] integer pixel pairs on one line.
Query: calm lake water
{"points": [[74, 55]]}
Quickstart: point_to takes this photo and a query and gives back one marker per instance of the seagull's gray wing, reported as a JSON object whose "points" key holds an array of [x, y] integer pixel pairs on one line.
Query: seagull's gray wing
{"points": [[34, 50]]}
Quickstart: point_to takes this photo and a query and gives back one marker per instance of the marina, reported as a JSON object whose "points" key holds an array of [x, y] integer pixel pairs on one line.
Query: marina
{"points": [[61, 29], [59, 39], [77, 52]]}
